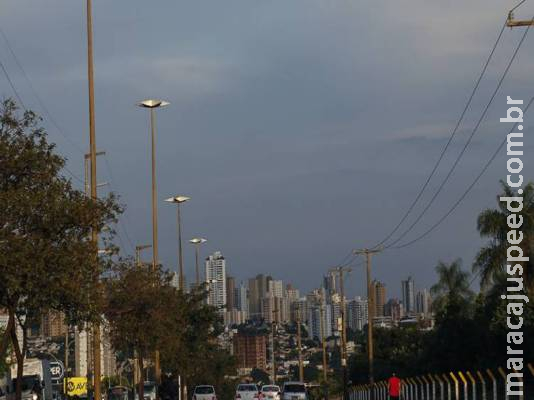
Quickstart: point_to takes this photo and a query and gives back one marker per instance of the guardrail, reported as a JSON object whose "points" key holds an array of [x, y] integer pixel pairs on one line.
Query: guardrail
{"points": [[460, 385]]}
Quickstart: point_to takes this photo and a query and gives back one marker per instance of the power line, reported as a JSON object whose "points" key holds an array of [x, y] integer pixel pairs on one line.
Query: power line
{"points": [[468, 142], [12, 86], [36, 95], [462, 197], [453, 134]]}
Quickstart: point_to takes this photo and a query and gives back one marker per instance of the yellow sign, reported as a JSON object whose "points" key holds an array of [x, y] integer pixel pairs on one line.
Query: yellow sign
{"points": [[76, 386]]}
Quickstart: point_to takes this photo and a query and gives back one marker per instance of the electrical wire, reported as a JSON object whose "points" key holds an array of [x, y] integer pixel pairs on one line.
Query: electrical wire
{"points": [[462, 197], [36, 94], [468, 142], [453, 134]]}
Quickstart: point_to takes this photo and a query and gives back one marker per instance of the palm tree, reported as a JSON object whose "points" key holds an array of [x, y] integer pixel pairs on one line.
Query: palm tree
{"points": [[492, 224], [453, 285]]}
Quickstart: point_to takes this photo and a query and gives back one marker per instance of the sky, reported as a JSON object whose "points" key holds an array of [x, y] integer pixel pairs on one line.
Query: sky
{"points": [[300, 129]]}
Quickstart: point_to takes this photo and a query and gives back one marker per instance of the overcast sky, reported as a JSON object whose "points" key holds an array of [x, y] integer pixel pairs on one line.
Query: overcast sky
{"points": [[301, 129]]}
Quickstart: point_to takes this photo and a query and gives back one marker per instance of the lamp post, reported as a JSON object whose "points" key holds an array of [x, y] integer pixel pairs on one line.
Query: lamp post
{"points": [[178, 200], [198, 241], [152, 104]]}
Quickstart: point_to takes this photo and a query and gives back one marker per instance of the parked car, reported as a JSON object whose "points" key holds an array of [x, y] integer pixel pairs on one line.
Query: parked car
{"points": [[294, 391], [247, 391], [118, 393], [204, 392], [270, 392], [149, 391]]}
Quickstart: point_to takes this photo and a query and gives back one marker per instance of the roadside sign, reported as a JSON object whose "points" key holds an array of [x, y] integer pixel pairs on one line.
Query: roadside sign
{"points": [[76, 386], [57, 371]]}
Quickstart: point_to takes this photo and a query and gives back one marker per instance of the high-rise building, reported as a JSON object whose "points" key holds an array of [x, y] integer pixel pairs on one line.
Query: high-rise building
{"points": [[393, 309], [277, 309], [422, 302], [258, 288], [230, 293], [408, 296], [357, 314], [216, 280], [315, 323], [276, 288], [241, 298], [379, 292], [292, 293], [250, 351], [330, 285]]}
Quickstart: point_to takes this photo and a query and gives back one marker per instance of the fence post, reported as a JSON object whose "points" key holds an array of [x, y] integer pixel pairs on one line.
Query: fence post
{"points": [[419, 384], [441, 390], [431, 379], [384, 390], [411, 389], [474, 383], [530, 368], [416, 389], [503, 375], [462, 377], [448, 382], [494, 381], [427, 384], [456, 386], [483, 381]]}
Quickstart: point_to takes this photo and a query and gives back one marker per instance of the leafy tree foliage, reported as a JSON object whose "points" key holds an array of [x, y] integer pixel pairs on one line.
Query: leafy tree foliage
{"points": [[492, 224], [46, 259]]}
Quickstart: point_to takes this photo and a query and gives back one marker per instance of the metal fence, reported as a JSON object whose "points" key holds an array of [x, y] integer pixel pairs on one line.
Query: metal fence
{"points": [[477, 385]]}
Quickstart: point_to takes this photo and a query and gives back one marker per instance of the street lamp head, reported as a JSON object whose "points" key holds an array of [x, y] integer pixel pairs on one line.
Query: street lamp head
{"points": [[153, 103], [177, 199], [197, 240]]}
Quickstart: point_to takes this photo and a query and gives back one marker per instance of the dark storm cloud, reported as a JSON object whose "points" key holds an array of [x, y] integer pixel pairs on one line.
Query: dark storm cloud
{"points": [[301, 129]]}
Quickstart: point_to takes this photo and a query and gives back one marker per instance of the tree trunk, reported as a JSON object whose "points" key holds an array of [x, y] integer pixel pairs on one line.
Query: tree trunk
{"points": [[141, 387], [6, 337], [19, 355]]}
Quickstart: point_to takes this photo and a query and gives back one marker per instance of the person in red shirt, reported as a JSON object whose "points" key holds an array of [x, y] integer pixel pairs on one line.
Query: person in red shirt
{"points": [[394, 387]]}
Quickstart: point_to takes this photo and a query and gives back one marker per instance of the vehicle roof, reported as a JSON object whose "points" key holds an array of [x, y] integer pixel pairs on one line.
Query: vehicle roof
{"points": [[294, 383], [204, 386]]}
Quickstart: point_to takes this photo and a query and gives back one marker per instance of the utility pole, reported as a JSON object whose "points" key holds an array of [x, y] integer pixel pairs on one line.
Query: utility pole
{"points": [[341, 271], [273, 328], [299, 346], [370, 309], [323, 344]]}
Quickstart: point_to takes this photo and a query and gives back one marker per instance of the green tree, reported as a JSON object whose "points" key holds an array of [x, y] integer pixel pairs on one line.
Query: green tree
{"points": [[46, 261], [141, 310], [452, 286], [492, 224]]}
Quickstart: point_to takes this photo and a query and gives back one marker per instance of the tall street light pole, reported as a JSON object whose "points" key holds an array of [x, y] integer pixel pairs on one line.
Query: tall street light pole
{"points": [[198, 241], [178, 200], [370, 309], [152, 104], [92, 152]]}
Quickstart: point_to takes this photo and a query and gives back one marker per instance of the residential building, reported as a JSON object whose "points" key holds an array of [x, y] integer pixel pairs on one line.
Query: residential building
{"points": [[357, 313], [408, 296], [216, 280], [379, 292], [250, 351], [230, 293]]}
